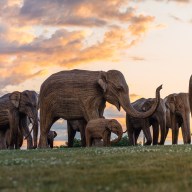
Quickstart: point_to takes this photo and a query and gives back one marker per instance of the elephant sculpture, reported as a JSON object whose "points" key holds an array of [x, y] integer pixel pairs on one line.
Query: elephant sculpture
{"points": [[101, 129], [15, 108], [190, 94], [50, 138], [156, 120], [178, 115], [72, 127], [80, 94]]}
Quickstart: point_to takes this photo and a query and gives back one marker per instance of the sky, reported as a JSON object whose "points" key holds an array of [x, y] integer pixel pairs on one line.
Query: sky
{"points": [[149, 41]]}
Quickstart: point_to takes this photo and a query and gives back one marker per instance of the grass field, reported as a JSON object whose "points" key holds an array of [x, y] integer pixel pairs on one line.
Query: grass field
{"points": [[160, 168]]}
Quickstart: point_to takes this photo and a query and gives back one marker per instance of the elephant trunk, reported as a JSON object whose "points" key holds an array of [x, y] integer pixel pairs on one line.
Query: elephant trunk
{"points": [[186, 130], [34, 117], [125, 103], [174, 129], [190, 94], [119, 134], [35, 133]]}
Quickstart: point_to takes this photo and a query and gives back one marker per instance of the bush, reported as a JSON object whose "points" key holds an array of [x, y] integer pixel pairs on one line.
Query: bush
{"points": [[77, 143], [123, 142]]}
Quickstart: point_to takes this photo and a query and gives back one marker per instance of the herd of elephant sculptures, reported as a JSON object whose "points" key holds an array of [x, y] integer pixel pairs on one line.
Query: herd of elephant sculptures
{"points": [[80, 97]]}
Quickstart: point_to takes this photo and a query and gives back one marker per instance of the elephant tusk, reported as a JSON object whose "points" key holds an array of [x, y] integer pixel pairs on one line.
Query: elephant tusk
{"points": [[28, 134], [31, 120]]}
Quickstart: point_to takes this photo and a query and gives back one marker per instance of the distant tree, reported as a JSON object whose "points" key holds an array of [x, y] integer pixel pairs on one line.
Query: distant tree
{"points": [[77, 143]]}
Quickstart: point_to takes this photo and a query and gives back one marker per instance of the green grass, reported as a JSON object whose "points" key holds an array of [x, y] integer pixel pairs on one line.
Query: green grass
{"points": [[160, 168]]}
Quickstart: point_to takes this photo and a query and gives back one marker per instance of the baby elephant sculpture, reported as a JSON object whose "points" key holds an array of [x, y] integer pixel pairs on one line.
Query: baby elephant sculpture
{"points": [[50, 138], [101, 129]]}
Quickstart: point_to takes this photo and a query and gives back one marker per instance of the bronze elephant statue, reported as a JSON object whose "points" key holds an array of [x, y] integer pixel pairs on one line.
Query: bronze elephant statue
{"points": [[80, 94], [178, 115], [156, 120], [101, 129], [15, 108]]}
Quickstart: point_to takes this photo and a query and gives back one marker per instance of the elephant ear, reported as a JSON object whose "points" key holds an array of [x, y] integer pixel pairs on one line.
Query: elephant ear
{"points": [[55, 134], [110, 125], [170, 103], [102, 81], [147, 105], [15, 98]]}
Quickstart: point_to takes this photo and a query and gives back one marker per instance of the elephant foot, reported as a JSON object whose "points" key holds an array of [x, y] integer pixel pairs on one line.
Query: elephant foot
{"points": [[148, 143]]}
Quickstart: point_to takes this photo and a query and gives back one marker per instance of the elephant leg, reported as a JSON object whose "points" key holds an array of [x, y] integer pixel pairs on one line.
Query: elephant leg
{"points": [[105, 139], [51, 143], [88, 140], [45, 126], [24, 127], [14, 127], [3, 140], [162, 123], [108, 140], [137, 133], [155, 126], [175, 130], [71, 134], [185, 127], [83, 139], [130, 132], [147, 133], [175, 133]]}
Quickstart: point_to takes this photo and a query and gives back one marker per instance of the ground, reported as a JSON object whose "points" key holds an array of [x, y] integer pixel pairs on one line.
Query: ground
{"points": [[154, 168]]}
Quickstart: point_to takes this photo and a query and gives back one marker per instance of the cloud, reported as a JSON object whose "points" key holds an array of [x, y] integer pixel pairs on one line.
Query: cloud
{"points": [[176, 18], [35, 35]]}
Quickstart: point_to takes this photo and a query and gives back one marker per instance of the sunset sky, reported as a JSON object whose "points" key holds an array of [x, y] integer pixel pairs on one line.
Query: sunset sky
{"points": [[149, 41]]}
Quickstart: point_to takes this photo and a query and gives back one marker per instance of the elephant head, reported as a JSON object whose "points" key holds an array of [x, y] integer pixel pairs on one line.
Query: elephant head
{"points": [[27, 103], [115, 127], [159, 116], [179, 110], [190, 93], [116, 92]]}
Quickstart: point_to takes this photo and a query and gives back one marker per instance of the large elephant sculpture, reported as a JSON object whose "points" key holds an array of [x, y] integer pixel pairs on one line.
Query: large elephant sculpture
{"points": [[80, 94], [74, 126], [190, 93], [156, 120], [15, 108], [178, 115], [101, 129]]}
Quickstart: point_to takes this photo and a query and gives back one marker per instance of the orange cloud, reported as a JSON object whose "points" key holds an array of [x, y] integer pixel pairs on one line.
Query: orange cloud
{"points": [[27, 50]]}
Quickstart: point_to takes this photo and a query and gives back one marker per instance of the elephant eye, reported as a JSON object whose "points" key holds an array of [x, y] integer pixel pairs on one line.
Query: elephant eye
{"points": [[180, 106], [120, 88]]}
